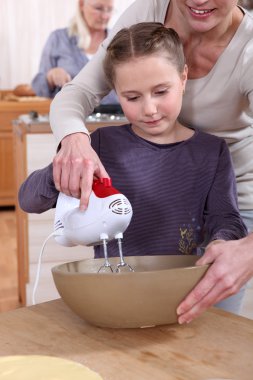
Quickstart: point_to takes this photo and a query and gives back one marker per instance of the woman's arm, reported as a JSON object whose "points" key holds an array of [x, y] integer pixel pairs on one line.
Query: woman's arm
{"points": [[75, 102], [38, 193], [76, 162]]}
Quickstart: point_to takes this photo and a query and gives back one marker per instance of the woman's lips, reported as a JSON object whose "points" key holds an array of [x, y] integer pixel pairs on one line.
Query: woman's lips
{"points": [[200, 13]]}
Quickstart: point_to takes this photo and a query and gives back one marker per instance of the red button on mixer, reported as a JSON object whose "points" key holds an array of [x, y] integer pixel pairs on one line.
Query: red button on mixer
{"points": [[102, 187]]}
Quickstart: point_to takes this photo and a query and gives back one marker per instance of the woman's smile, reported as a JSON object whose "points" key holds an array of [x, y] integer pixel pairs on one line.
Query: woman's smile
{"points": [[201, 13]]}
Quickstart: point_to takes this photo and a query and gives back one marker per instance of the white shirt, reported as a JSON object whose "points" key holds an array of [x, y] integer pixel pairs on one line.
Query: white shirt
{"points": [[220, 103]]}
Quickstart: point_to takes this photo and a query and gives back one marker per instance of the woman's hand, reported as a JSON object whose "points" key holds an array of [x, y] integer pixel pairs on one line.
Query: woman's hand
{"points": [[231, 267], [57, 77], [74, 167]]}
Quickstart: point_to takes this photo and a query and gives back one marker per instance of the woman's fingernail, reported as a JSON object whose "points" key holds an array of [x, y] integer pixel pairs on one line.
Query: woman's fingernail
{"points": [[181, 321]]}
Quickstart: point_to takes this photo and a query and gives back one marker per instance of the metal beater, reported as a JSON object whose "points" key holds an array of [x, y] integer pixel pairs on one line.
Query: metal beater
{"points": [[122, 266]]}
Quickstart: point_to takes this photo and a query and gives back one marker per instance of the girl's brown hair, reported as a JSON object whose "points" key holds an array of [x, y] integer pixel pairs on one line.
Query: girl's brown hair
{"points": [[143, 39]]}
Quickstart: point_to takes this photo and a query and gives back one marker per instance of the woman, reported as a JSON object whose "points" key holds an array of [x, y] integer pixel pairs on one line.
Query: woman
{"points": [[68, 50], [217, 39]]}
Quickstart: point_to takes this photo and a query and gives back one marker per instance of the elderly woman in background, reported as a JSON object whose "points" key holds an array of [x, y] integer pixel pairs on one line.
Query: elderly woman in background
{"points": [[68, 50]]}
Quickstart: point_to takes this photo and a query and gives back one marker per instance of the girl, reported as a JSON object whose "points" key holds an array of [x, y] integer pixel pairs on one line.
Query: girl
{"points": [[179, 181]]}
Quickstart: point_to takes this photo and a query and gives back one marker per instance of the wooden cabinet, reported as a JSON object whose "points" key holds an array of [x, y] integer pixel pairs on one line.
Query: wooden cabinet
{"points": [[10, 110], [6, 169]]}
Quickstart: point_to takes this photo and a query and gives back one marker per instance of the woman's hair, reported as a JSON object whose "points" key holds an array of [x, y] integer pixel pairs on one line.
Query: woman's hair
{"points": [[79, 28], [248, 4], [140, 40]]}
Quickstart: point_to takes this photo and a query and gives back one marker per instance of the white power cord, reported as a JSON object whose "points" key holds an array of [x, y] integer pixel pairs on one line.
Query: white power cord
{"points": [[55, 233]]}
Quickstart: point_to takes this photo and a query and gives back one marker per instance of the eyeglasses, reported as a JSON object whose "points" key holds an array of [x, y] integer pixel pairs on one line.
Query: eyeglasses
{"points": [[100, 9]]}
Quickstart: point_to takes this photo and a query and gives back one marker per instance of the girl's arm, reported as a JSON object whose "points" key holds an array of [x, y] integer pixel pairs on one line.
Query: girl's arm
{"points": [[38, 193], [222, 216], [231, 259]]}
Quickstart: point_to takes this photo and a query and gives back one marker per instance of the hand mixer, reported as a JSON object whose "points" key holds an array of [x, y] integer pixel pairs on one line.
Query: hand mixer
{"points": [[108, 215]]}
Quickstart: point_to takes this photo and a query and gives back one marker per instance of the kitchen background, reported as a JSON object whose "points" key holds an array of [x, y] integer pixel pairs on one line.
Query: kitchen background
{"points": [[24, 28], [217, 345]]}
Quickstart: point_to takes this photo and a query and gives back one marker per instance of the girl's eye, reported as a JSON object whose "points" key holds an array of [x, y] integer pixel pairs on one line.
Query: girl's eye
{"points": [[161, 92], [132, 99]]}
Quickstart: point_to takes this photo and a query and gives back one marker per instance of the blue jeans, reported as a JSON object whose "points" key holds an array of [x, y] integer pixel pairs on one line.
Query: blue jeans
{"points": [[234, 303]]}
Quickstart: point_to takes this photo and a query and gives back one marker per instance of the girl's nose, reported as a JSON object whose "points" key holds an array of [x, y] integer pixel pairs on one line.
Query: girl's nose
{"points": [[149, 108]]}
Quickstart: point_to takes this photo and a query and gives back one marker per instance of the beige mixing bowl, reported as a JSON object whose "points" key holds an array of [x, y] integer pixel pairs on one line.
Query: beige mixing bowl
{"points": [[148, 296]]}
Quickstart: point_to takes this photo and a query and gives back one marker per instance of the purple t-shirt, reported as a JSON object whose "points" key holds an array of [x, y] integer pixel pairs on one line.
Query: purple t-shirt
{"points": [[181, 193]]}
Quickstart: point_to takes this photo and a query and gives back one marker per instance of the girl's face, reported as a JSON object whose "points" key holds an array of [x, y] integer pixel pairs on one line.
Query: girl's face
{"points": [[204, 15], [97, 13], [150, 91]]}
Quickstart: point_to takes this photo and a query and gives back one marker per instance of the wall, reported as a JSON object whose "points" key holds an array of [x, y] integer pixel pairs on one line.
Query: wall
{"points": [[24, 28]]}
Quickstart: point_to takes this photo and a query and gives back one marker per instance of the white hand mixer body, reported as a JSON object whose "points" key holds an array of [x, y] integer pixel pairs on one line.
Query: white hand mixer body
{"points": [[108, 215]]}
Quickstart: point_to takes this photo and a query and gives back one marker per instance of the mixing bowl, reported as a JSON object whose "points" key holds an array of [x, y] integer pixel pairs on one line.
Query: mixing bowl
{"points": [[146, 297]]}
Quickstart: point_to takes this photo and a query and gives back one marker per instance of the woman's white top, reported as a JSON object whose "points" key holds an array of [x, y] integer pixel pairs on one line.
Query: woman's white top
{"points": [[220, 103]]}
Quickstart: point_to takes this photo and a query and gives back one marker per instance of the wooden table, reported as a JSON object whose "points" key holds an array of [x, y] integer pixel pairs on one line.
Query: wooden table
{"points": [[216, 345]]}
